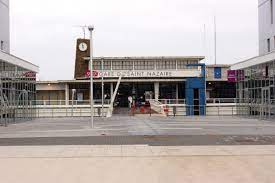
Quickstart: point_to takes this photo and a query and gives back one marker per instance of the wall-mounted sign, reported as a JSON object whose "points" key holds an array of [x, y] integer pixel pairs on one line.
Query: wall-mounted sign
{"points": [[95, 74], [232, 76], [218, 73], [235, 75], [29, 74], [145, 74]]}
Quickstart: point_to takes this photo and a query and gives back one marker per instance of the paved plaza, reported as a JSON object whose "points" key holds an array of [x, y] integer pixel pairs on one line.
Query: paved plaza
{"points": [[139, 149], [139, 163], [139, 125]]}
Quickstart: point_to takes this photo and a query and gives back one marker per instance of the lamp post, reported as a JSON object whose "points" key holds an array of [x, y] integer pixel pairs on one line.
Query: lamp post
{"points": [[91, 28], [73, 94], [102, 89]]}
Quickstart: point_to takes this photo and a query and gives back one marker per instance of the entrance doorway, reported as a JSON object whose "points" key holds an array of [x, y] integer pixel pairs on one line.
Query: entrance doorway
{"points": [[124, 91], [139, 93], [196, 102]]}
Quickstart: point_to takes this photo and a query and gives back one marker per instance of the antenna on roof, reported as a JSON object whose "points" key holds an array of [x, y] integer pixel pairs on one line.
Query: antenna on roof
{"points": [[83, 27], [204, 43], [215, 39]]}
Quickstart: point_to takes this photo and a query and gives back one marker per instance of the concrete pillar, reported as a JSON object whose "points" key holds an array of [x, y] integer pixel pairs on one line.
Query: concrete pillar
{"points": [[177, 91], [67, 94], [156, 86], [112, 89]]}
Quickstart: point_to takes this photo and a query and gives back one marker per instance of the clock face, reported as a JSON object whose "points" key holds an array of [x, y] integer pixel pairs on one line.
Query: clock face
{"points": [[83, 46]]}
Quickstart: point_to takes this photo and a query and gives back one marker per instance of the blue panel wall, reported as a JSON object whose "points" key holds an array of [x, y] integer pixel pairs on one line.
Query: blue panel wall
{"points": [[189, 97], [191, 85]]}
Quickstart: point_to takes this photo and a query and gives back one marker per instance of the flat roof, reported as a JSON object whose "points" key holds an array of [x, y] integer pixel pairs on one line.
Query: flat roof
{"points": [[219, 65], [11, 59], [254, 61], [199, 58]]}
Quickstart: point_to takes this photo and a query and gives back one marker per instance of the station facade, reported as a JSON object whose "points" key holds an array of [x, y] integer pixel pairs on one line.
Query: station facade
{"points": [[166, 79]]}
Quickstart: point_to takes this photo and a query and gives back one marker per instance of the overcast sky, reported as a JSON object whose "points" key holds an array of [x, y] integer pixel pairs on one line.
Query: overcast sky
{"points": [[44, 32]]}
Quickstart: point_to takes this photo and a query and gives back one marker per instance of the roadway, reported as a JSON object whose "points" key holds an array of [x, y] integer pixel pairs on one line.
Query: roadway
{"points": [[154, 130]]}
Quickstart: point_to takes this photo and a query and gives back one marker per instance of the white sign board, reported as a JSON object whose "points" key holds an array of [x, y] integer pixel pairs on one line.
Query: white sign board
{"points": [[149, 74]]}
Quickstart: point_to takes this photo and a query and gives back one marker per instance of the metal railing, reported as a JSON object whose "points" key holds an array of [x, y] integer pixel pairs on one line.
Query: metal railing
{"points": [[69, 102], [219, 107], [190, 110], [172, 101], [221, 100], [208, 100], [214, 107], [71, 108], [77, 111]]}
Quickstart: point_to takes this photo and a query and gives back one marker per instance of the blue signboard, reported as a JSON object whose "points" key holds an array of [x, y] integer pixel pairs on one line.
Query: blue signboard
{"points": [[217, 72]]}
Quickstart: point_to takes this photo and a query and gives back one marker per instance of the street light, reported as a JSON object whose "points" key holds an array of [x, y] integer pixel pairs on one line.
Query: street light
{"points": [[91, 28], [73, 94], [102, 89]]}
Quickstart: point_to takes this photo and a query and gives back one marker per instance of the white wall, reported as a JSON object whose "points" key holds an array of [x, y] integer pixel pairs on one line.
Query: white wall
{"points": [[51, 87], [266, 28], [4, 25]]}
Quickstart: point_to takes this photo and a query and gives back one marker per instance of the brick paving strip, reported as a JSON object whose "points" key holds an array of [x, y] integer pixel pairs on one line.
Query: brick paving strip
{"points": [[155, 140]]}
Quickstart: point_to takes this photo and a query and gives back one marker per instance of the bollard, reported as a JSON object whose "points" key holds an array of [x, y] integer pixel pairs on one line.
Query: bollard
{"points": [[99, 111], [174, 110]]}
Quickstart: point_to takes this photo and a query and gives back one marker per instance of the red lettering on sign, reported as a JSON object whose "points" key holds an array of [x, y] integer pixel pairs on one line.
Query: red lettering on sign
{"points": [[95, 74]]}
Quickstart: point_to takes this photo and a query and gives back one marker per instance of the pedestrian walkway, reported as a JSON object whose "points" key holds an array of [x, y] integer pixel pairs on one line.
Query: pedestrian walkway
{"points": [[135, 164], [124, 151]]}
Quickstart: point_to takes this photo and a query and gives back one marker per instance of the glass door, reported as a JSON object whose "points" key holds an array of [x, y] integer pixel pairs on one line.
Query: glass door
{"points": [[265, 112]]}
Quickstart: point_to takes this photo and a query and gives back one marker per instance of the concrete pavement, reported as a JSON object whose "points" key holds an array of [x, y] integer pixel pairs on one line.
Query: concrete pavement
{"points": [[164, 150], [131, 164]]}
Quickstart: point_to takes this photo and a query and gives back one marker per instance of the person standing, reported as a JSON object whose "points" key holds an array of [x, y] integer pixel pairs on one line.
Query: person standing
{"points": [[130, 101]]}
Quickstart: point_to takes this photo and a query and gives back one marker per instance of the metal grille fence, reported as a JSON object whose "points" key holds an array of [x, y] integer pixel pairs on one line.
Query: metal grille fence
{"points": [[17, 90]]}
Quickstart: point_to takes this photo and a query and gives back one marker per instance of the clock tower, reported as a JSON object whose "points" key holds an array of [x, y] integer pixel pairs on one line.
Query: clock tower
{"points": [[82, 51]]}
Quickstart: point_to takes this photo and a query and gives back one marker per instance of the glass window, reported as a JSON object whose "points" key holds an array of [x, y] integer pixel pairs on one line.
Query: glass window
{"points": [[127, 65], [182, 64], [97, 65], [107, 65], [163, 64], [144, 65], [123, 65], [117, 65]]}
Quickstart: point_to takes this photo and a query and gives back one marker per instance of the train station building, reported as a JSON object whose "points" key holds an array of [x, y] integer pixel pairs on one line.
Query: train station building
{"points": [[184, 80]]}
